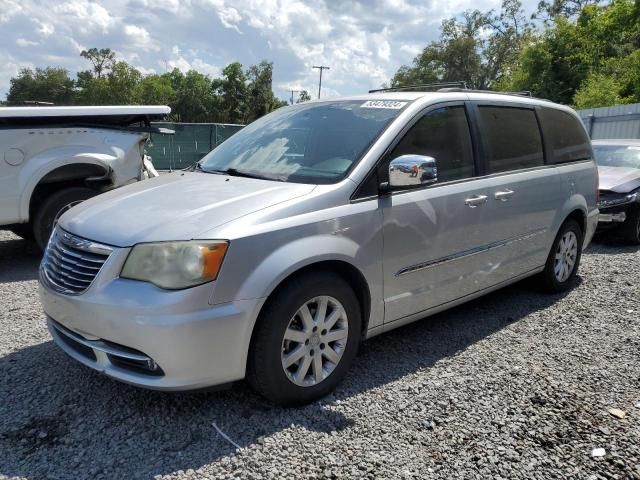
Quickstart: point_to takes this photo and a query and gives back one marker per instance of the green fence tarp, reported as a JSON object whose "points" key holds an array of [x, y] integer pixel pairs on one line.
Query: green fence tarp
{"points": [[191, 142]]}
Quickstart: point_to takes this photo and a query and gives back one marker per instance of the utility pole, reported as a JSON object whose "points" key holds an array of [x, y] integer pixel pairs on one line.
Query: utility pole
{"points": [[294, 92], [321, 68]]}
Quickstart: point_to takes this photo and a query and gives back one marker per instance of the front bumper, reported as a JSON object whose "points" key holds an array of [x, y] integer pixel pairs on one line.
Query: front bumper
{"points": [[614, 217], [186, 342], [618, 217]]}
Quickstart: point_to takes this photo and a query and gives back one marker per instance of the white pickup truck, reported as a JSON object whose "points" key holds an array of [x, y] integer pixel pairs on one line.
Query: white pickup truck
{"points": [[52, 158]]}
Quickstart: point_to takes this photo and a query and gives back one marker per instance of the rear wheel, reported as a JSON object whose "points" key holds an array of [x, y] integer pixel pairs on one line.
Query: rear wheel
{"points": [[630, 229], [564, 258], [305, 340], [53, 208]]}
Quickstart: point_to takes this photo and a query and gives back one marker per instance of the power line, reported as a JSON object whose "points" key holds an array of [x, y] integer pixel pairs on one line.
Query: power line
{"points": [[321, 68]]}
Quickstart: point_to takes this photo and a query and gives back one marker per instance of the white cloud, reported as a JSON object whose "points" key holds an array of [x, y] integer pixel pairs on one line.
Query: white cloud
{"points": [[363, 41], [9, 9], [138, 37], [22, 42]]}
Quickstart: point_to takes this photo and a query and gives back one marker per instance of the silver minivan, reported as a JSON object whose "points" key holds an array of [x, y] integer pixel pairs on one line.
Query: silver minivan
{"points": [[313, 228]]}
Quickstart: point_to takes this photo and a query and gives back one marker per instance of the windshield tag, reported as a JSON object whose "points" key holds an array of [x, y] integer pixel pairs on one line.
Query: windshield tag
{"points": [[393, 104]]}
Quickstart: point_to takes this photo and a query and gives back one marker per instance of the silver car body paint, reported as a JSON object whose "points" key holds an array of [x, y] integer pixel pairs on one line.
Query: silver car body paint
{"points": [[436, 252], [619, 179]]}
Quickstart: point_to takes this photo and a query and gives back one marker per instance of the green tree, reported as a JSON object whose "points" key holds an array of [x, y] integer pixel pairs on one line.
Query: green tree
{"points": [[599, 90], [260, 97], [102, 59], [571, 56], [478, 49], [236, 97], [549, 10], [156, 90], [118, 87], [232, 89], [42, 84], [303, 97], [194, 99]]}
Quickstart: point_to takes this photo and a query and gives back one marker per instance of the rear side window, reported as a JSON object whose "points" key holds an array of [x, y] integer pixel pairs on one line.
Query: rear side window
{"points": [[511, 138], [567, 138], [444, 135]]}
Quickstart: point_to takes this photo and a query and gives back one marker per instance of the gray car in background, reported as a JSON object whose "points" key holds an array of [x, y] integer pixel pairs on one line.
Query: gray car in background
{"points": [[619, 171], [313, 228]]}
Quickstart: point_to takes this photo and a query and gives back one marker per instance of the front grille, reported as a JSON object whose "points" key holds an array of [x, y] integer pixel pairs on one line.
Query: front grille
{"points": [[70, 263]]}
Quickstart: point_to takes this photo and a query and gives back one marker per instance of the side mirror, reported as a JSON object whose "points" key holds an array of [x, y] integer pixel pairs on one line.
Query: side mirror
{"points": [[408, 171]]}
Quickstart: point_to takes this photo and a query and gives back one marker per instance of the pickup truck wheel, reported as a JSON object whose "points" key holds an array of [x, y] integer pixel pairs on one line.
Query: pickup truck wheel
{"points": [[52, 209], [305, 340], [564, 258], [631, 227]]}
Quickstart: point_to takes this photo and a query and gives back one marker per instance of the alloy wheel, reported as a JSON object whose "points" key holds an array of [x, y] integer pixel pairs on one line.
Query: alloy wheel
{"points": [[565, 258], [314, 341]]}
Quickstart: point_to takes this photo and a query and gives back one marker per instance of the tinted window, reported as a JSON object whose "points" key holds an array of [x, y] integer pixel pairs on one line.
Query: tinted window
{"points": [[306, 143], [511, 138], [444, 135], [566, 136]]}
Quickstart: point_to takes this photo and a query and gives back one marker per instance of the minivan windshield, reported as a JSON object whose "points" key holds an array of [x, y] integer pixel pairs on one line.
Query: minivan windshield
{"points": [[617, 155], [306, 143]]}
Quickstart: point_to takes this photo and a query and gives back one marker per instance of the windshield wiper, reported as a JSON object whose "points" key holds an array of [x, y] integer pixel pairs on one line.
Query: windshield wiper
{"points": [[198, 166], [234, 172]]}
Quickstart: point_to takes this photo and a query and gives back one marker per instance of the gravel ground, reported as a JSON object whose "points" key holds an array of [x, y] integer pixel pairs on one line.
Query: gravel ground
{"points": [[514, 385]]}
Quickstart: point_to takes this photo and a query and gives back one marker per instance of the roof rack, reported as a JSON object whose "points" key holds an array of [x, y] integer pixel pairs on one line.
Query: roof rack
{"points": [[524, 93], [419, 86], [448, 87]]}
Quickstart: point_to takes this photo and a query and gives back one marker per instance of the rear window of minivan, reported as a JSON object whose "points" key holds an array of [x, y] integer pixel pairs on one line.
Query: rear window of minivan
{"points": [[511, 138], [565, 135]]}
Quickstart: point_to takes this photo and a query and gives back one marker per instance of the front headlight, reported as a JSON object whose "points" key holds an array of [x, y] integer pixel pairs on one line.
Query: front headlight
{"points": [[175, 265], [621, 200]]}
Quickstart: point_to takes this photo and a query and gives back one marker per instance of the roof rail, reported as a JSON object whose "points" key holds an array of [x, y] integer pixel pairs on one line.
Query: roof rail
{"points": [[418, 86], [524, 93], [460, 86]]}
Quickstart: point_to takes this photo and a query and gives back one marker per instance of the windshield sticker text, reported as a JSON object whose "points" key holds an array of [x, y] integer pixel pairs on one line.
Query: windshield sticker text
{"points": [[395, 105]]}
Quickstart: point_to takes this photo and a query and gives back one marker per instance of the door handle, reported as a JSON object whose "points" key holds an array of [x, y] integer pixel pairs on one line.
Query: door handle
{"points": [[503, 195], [476, 200]]}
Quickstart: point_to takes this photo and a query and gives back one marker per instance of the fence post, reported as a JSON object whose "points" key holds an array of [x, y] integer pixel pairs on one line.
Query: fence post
{"points": [[592, 120]]}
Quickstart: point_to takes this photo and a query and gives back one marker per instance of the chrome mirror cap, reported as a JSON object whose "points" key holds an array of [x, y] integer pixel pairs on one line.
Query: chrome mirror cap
{"points": [[412, 170]]}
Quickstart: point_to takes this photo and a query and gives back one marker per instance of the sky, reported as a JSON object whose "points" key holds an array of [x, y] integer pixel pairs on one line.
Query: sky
{"points": [[362, 41]]}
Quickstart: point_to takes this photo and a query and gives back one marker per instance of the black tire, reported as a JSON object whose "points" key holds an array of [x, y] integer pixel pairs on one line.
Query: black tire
{"points": [[630, 229], [24, 230], [265, 369], [548, 279], [54, 206]]}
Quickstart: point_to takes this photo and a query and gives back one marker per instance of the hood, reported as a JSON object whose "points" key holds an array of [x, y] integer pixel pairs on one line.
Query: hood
{"points": [[177, 206], [619, 179]]}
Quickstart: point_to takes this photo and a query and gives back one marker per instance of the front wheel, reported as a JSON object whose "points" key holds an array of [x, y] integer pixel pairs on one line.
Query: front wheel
{"points": [[305, 340], [631, 226], [564, 258], [52, 209]]}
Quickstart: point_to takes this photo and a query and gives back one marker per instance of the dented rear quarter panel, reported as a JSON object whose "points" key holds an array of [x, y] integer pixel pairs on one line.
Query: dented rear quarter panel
{"points": [[45, 149]]}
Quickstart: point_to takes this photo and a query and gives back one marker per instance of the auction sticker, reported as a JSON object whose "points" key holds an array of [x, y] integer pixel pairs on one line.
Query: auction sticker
{"points": [[393, 104]]}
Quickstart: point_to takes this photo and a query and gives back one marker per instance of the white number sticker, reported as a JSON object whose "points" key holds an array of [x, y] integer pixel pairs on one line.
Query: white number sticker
{"points": [[393, 104]]}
